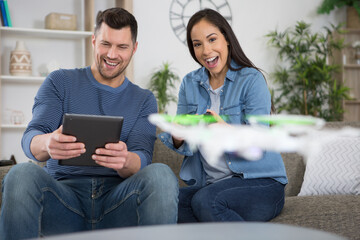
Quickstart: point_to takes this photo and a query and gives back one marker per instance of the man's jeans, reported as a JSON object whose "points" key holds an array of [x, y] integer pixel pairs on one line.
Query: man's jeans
{"points": [[232, 199], [34, 204]]}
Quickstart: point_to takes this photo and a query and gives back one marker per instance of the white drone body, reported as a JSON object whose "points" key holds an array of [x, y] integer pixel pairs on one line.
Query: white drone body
{"points": [[249, 141]]}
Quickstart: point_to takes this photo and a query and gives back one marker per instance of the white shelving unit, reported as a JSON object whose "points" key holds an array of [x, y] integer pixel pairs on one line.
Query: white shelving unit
{"points": [[14, 126], [17, 92], [21, 79], [350, 74], [46, 33]]}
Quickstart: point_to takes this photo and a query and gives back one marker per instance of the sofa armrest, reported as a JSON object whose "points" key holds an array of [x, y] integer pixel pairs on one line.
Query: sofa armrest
{"points": [[3, 171]]}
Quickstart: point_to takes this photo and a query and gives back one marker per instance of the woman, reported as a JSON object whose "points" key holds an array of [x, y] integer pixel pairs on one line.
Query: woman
{"points": [[232, 189]]}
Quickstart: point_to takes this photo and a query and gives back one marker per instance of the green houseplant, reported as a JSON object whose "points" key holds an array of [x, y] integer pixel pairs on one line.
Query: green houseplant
{"points": [[328, 5], [162, 82], [352, 10], [305, 82]]}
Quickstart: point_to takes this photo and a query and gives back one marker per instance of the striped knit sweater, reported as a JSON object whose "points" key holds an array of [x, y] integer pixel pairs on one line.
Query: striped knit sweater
{"points": [[77, 91]]}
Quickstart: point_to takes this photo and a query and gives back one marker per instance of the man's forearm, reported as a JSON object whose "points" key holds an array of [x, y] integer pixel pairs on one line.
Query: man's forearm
{"points": [[38, 147], [133, 166]]}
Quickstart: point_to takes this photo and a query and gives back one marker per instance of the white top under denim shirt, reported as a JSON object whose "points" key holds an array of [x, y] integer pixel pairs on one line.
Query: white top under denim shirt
{"points": [[244, 92], [215, 170]]}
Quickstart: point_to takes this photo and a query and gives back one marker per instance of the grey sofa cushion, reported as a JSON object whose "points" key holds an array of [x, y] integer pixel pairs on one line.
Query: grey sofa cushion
{"points": [[163, 154], [339, 214], [295, 169]]}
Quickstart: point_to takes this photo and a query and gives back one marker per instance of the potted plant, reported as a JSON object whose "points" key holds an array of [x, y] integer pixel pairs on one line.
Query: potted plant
{"points": [[162, 83], [353, 10], [306, 83]]}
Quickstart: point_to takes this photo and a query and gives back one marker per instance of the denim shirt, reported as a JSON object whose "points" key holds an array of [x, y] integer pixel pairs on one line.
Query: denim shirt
{"points": [[245, 92]]}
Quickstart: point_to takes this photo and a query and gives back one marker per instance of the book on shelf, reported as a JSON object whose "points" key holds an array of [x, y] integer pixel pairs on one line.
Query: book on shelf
{"points": [[1, 18], [5, 13]]}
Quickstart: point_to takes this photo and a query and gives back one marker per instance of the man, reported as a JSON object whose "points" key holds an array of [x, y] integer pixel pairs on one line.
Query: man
{"points": [[126, 190]]}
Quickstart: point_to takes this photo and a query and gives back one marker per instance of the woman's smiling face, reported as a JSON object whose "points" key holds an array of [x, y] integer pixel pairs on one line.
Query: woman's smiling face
{"points": [[210, 47]]}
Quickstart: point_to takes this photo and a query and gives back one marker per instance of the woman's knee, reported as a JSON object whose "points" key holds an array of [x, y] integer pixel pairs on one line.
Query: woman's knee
{"points": [[208, 206], [202, 198]]}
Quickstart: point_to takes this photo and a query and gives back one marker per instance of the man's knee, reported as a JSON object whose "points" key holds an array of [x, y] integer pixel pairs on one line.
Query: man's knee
{"points": [[158, 195], [162, 184], [161, 175], [22, 176], [22, 170]]}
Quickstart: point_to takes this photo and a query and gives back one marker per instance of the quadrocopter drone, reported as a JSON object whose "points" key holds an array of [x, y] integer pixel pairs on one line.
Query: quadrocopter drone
{"points": [[288, 133]]}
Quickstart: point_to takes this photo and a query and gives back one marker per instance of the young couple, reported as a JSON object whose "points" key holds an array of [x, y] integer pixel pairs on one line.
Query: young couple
{"points": [[127, 190]]}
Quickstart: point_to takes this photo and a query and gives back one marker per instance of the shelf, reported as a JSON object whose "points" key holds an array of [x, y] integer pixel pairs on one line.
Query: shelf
{"points": [[13, 126], [17, 92], [352, 30], [21, 79], [352, 66], [45, 33], [352, 102]]}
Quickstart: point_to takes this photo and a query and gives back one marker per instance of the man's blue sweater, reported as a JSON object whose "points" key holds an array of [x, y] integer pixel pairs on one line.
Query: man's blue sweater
{"points": [[77, 91]]}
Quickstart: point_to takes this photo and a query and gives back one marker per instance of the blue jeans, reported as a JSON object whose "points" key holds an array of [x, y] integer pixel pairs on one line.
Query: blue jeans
{"points": [[232, 199], [34, 204]]}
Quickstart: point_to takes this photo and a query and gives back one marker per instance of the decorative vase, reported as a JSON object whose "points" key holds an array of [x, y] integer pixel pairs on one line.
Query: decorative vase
{"points": [[17, 117], [20, 60]]}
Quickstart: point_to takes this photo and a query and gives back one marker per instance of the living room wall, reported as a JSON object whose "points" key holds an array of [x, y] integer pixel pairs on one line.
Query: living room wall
{"points": [[251, 21]]}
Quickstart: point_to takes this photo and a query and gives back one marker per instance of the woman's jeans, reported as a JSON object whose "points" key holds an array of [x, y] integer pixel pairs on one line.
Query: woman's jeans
{"points": [[34, 204], [232, 199]]}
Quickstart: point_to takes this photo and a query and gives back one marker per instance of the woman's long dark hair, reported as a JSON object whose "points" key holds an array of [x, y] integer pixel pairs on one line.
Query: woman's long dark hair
{"points": [[235, 51]]}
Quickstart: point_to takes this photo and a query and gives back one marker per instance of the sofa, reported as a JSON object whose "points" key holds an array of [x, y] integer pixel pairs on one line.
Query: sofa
{"points": [[339, 214]]}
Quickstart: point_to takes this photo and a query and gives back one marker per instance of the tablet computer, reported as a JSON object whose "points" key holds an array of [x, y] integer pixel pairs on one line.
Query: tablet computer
{"points": [[94, 131]]}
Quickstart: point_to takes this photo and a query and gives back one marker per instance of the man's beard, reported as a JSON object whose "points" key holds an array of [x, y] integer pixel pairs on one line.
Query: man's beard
{"points": [[116, 74]]}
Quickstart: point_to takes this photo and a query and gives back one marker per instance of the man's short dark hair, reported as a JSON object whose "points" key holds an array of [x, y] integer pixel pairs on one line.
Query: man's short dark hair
{"points": [[117, 18]]}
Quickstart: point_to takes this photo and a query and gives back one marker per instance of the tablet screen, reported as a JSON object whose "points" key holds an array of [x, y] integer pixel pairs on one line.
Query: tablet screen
{"points": [[94, 131]]}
